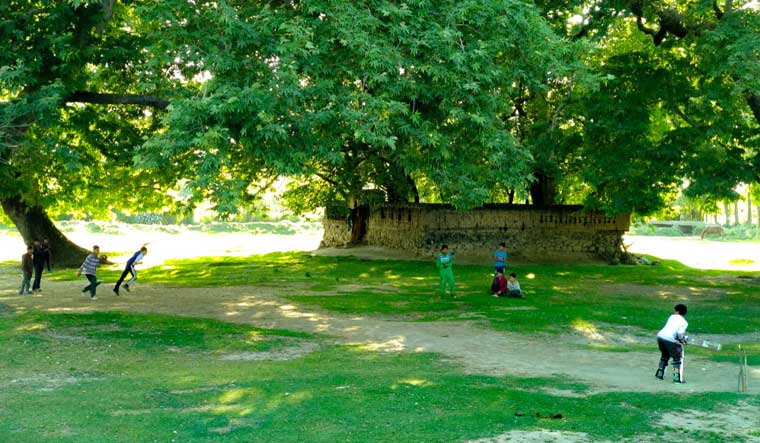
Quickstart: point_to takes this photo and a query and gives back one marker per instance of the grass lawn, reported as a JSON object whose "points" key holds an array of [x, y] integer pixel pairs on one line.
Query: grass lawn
{"points": [[119, 377], [143, 378], [558, 297]]}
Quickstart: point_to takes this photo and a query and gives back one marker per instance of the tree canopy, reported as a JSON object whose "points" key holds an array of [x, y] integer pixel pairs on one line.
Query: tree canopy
{"points": [[612, 103]]}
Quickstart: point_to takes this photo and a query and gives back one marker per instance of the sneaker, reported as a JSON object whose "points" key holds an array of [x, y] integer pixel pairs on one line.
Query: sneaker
{"points": [[29, 292], [84, 293], [494, 295], [660, 374], [116, 291], [94, 297], [126, 287], [677, 378]]}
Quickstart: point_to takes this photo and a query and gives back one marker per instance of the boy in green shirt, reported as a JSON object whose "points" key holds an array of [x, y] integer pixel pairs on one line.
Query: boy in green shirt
{"points": [[444, 263]]}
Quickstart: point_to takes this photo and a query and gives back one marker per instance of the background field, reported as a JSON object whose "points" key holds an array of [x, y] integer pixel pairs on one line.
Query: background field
{"points": [[292, 346]]}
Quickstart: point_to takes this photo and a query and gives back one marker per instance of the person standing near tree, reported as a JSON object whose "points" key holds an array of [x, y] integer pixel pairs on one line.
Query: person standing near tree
{"points": [[445, 263], [130, 269], [27, 267], [46, 250], [38, 259]]}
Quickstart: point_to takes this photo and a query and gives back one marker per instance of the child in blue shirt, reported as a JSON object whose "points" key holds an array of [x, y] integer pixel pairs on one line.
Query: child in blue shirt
{"points": [[500, 258]]}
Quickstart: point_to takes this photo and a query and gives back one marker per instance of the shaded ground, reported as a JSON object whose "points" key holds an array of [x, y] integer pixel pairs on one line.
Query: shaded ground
{"points": [[478, 350]]}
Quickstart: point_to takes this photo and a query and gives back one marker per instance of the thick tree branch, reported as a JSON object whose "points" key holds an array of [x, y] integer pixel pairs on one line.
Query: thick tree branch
{"points": [[754, 104], [116, 99], [716, 8]]}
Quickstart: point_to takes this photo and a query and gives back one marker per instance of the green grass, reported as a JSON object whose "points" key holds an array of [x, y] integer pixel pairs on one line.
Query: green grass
{"points": [[145, 378], [558, 297]]}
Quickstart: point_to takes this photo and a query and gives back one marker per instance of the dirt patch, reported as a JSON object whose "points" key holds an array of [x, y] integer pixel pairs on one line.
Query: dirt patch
{"points": [[741, 422], [47, 382], [476, 348], [353, 288], [280, 354], [541, 436]]}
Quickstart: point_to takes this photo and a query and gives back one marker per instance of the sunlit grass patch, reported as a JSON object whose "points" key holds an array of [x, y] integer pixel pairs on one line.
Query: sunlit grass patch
{"points": [[133, 385]]}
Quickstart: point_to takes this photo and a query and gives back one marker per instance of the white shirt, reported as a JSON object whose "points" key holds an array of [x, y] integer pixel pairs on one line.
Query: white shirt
{"points": [[674, 328]]}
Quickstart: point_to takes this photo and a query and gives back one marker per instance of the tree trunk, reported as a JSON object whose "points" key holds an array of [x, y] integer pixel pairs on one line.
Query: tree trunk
{"points": [[543, 190], [727, 214], [736, 213], [359, 218], [33, 223], [749, 208]]}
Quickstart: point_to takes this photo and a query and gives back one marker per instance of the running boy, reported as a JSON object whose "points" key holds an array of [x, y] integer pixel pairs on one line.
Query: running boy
{"points": [[27, 268], [670, 340], [500, 258], [444, 263], [130, 269], [89, 267]]}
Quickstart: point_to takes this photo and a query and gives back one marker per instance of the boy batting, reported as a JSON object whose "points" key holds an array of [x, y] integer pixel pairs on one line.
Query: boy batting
{"points": [[671, 340]]}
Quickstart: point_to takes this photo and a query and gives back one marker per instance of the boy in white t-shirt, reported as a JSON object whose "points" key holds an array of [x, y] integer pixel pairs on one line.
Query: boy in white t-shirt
{"points": [[670, 340]]}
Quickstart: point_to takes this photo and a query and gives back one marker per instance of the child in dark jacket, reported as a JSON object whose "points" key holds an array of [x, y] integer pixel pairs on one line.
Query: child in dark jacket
{"points": [[27, 268], [499, 285]]}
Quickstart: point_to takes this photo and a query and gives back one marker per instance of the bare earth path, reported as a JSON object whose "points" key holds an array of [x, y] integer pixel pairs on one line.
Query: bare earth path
{"points": [[477, 349]]}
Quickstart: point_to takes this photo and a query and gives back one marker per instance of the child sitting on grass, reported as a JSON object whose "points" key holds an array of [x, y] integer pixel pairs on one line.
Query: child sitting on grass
{"points": [[513, 286], [499, 287]]}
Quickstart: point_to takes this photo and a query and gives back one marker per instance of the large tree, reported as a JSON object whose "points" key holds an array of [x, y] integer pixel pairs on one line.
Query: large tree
{"points": [[676, 103], [345, 95], [76, 80]]}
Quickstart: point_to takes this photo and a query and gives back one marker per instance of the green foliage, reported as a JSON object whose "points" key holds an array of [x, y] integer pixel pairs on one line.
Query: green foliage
{"points": [[454, 101], [353, 93], [71, 157]]}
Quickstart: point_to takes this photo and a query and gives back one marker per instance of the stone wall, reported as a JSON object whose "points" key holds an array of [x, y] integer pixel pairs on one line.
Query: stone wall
{"points": [[559, 233], [337, 233]]}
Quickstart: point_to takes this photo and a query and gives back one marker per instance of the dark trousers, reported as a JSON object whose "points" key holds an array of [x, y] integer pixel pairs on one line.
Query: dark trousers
{"points": [[669, 350], [127, 270], [37, 275], [92, 286]]}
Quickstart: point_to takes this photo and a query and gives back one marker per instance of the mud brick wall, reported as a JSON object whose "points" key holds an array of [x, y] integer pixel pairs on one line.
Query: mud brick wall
{"points": [[558, 233], [337, 233]]}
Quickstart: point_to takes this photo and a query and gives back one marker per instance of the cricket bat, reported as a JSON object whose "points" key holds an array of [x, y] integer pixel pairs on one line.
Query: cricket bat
{"points": [[702, 343]]}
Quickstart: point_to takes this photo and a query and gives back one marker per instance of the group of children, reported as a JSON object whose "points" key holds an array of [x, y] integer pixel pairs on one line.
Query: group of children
{"points": [[670, 339], [30, 260], [501, 286], [33, 265]]}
